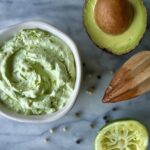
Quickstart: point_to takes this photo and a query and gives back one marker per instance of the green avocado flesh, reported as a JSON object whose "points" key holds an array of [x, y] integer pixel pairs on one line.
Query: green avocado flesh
{"points": [[122, 135], [37, 73], [117, 44]]}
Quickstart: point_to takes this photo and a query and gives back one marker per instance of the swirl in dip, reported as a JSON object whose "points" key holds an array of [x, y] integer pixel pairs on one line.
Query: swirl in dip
{"points": [[37, 73]]}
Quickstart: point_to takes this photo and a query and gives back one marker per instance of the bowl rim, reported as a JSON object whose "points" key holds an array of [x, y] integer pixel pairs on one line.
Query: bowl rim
{"points": [[60, 113]]}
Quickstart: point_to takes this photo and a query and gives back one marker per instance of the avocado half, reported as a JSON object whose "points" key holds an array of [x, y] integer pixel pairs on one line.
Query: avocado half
{"points": [[121, 43]]}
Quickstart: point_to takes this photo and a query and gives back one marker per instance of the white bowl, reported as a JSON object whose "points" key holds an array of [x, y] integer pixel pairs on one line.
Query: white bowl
{"points": [[9, 32]]}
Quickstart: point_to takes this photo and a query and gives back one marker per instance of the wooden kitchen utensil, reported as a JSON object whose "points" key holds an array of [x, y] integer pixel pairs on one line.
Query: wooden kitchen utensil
{"points": [[132, 79]]}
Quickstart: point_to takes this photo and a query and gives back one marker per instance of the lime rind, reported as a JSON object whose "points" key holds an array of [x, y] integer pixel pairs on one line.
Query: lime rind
{"points": [[122, 135]]}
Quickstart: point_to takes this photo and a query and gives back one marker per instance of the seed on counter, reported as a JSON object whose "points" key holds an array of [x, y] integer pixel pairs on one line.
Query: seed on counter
{"points": [[115, 109], [78, 114], [46, 140], [105, 117], [52, 130], [78, 141], [64, 129], [92, 125], [90, 90], [99, 77], [83, 64], [107, 121]]}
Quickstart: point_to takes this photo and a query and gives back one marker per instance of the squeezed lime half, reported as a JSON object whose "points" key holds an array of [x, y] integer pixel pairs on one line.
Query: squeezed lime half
{"points": [[122, 135]]}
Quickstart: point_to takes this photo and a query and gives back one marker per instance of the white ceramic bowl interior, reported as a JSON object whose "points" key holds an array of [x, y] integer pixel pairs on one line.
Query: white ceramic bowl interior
{"points": [[9, 32]]}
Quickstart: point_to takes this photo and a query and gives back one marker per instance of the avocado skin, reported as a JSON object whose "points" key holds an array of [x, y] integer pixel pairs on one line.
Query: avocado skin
{"points": [[105, 49]]}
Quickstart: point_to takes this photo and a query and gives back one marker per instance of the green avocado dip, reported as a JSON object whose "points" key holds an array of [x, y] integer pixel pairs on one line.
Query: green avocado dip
{"points": [[37, 73]]}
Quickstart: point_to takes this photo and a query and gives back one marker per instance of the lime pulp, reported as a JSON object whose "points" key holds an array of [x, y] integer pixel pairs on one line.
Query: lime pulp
{"points": [[122, 135]]}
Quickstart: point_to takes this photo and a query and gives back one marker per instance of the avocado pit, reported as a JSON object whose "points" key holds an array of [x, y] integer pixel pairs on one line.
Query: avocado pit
{"points": [[113, 16]]}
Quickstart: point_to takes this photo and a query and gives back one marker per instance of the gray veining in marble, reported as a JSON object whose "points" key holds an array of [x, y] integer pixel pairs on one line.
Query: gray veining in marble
{"points": [[66, 15]]}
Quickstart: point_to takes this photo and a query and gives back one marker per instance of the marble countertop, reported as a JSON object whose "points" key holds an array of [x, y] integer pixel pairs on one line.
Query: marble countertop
{"points": [[77, 130]]}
